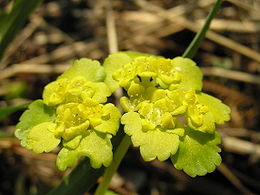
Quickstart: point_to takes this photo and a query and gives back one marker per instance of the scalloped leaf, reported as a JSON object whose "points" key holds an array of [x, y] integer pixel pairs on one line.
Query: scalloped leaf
{"points": [[220, 111], [114, 62], [90, 69], [132, 122], [198, 153], [156, 144], [153, 143], [41, 138], [96, 146], [191, 75], [37, 113]]}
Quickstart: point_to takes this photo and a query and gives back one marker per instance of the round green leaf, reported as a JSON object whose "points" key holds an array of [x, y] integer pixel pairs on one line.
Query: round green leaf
{"points": [[153, 143], [66, 158], [198, 153], [156, 144], [37, 113], [41, 138], [90, 69], [112, 63], [191, 75], [220, 111], [96, 146]]}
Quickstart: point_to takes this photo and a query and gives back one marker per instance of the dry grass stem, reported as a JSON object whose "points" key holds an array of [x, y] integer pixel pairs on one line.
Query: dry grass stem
{"points": [[240, 132], [233, 179], [246, 5], [231, 74], [112, 43], [111, 30], [64, 53], [182, 21], [239, 146], [232, 26], [32, 69]]}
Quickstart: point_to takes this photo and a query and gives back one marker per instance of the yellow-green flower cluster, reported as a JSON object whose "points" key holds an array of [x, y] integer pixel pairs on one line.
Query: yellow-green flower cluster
{"points": [[167, 115], [79, 107], [157, 90], [79, 119], [163, 101], [77, 90]]}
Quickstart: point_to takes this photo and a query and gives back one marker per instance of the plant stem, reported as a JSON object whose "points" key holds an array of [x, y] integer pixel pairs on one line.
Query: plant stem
{"points": [[109, 172], [194, 45]]}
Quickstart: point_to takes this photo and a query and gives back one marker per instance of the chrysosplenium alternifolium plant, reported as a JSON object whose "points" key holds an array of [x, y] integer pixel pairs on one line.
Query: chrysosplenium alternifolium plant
{"points": [[166, 114], [73, 113]]}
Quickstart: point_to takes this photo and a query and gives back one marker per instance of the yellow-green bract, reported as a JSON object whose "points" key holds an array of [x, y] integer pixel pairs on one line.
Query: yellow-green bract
{"points": [[73, 114], [167, 115]]}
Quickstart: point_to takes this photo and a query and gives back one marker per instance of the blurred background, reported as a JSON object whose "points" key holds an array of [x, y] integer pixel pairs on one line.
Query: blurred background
{"points": [[58, 32]]}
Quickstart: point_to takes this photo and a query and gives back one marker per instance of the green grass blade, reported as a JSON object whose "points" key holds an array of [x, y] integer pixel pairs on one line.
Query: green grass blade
{"points": [[80, 180], [194, 45], [5, 112], [12, 22]]}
